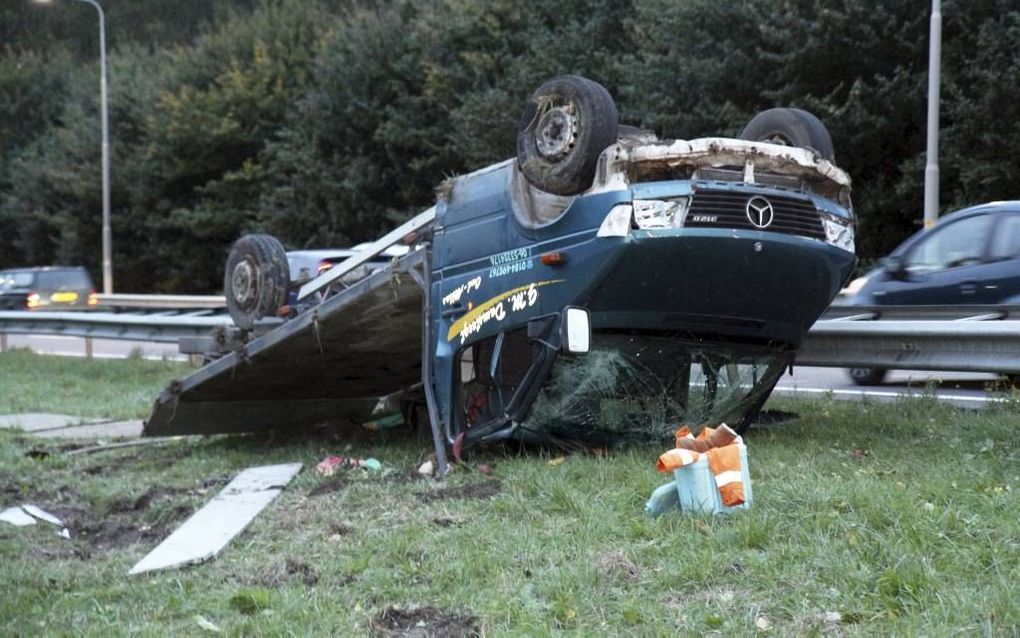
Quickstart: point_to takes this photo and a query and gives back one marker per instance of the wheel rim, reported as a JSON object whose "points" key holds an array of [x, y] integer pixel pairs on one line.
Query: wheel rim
{"points": [[556, 132], [776, 138], [860, 373], [242, 283]]}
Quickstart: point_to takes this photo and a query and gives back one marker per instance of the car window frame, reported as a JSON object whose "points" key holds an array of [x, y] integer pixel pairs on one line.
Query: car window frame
{"points": [[1000, 222], [984, 256]]}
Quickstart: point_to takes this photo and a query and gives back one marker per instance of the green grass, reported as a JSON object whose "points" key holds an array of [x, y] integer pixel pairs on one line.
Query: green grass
{"points": [[867, 519], [119, 389]]}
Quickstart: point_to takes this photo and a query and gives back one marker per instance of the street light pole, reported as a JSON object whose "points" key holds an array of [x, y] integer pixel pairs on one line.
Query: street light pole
{"points": [[104, 114], [931, 166]]}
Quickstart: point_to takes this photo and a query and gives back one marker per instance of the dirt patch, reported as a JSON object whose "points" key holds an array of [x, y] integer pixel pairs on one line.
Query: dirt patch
{"points": [[287, 571], [91, 533], [442, 521], [340, 529], [328, 487], [423, 622], [110, 464], [617, 566], [487, 489], [143, 502]]}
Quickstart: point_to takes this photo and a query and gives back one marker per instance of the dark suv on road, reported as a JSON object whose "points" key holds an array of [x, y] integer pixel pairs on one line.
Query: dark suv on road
{"points": [[49, 287]]}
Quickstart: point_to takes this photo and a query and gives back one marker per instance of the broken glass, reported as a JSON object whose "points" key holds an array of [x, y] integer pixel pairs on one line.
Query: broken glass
{"points": [[642, 387]]}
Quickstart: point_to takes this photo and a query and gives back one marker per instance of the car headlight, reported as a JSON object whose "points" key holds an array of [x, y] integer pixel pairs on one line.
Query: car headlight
{"points": [[839, 232], [617, 222], [660, 213]]}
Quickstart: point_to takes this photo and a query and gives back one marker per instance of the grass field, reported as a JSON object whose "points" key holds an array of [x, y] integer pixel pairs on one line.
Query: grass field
{"points": [[868, 519]]}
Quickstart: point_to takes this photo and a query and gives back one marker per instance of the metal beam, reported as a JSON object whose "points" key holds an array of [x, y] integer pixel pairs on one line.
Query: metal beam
{"points": [[336, 272]]}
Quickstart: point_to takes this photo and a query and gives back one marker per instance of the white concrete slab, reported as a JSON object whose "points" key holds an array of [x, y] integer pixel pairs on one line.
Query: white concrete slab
{"points": [[37, 421], [209, 529], [117, 429]]}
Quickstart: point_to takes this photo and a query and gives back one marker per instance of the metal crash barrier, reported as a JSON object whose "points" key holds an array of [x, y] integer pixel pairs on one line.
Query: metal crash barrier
{"points": [[948, 338]]}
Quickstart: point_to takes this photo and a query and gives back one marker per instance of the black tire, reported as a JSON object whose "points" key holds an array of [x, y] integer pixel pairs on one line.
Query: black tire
{"points": [[790, 127], [867, 376], [566, 124], [256, 279]]}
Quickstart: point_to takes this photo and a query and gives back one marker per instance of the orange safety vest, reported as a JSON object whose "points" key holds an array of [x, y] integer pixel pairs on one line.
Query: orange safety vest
{"points": [[721, 447]]}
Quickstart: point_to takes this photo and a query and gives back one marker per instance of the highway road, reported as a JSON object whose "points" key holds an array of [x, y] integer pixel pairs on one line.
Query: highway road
{"points": [[960, 388]]}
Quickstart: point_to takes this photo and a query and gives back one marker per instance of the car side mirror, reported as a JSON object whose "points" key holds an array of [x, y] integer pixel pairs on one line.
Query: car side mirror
{"points": [[894, 266], [575, 331]]}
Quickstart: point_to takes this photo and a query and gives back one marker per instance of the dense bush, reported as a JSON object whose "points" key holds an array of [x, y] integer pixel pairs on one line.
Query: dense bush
{"points": [[326, 121]]}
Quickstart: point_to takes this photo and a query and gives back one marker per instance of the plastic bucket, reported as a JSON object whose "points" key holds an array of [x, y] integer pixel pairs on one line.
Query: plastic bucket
{"points": [[697, 490]]}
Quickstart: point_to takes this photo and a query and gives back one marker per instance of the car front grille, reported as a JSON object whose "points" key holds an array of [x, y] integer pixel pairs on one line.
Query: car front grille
{"points": [[728, 209]]}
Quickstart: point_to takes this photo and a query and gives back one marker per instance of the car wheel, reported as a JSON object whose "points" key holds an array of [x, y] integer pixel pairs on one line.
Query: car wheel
{"points": [[566, 124], [867, 376], [790, 127], [256, 279]]}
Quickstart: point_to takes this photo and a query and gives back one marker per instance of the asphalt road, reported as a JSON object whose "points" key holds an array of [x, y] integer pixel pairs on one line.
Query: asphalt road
{"points": [[960, 388], [101, 348]]}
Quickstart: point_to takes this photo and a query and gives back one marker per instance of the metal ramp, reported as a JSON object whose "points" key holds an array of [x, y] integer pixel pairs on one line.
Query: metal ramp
{"points": [[331, 362]]}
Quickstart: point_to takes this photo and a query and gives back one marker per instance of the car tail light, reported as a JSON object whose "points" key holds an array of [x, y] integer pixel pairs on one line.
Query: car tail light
{"points": [[93, 299], [32, 300], [324, 266]]}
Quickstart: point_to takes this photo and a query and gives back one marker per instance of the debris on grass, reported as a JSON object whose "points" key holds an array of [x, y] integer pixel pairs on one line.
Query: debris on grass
{"points": [[28, 514], [17, 517], [556, 461], [209, 529], [427, 468], [485, 469], [332, 464], [206, 624], [422, 622], [384, 423]]}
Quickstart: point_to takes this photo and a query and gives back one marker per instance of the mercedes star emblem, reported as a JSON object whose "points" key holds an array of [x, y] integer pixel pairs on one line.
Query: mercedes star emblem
{"points": [[759, 212]]}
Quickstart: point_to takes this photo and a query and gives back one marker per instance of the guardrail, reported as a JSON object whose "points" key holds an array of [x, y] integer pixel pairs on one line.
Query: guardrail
{"points": [[166, 302], [950, 338], [105, 325]]}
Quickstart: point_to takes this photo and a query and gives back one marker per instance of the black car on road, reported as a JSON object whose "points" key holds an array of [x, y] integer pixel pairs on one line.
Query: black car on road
{"points": [[46, 287]]}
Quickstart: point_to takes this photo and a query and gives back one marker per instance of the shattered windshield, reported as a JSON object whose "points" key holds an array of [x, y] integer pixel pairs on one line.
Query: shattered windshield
{"points": [[640, 387]]}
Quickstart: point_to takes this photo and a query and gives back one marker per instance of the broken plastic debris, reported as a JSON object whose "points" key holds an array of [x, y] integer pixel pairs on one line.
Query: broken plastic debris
{"points": [[32, 510], [27, 514], [385, 422], [16, 516], [331, 464]]}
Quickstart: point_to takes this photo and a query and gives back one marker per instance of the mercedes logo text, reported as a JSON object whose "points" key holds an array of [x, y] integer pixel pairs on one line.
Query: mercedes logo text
{"points": [[759, 212]]}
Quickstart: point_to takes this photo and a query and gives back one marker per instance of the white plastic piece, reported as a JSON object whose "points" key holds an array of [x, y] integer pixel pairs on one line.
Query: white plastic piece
{"points": [[35, 512], [617, 222], [16, 516], [209, 529]]}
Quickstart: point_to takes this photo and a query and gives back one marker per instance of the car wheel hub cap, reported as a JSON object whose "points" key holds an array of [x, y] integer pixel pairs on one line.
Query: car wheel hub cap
{"points": [[243, 282], [556, 132]]}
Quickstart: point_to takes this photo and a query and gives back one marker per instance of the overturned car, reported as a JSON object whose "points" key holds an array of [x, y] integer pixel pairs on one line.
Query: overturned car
{"points": [[601, 287]]}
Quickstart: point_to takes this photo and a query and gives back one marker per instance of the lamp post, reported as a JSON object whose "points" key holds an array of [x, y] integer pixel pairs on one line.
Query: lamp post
{"points": [[107, 233], [931, 165]]}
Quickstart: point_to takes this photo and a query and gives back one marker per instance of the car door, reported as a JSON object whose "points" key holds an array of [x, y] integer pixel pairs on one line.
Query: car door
{"points": [[998, 278], [941, 268]]}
